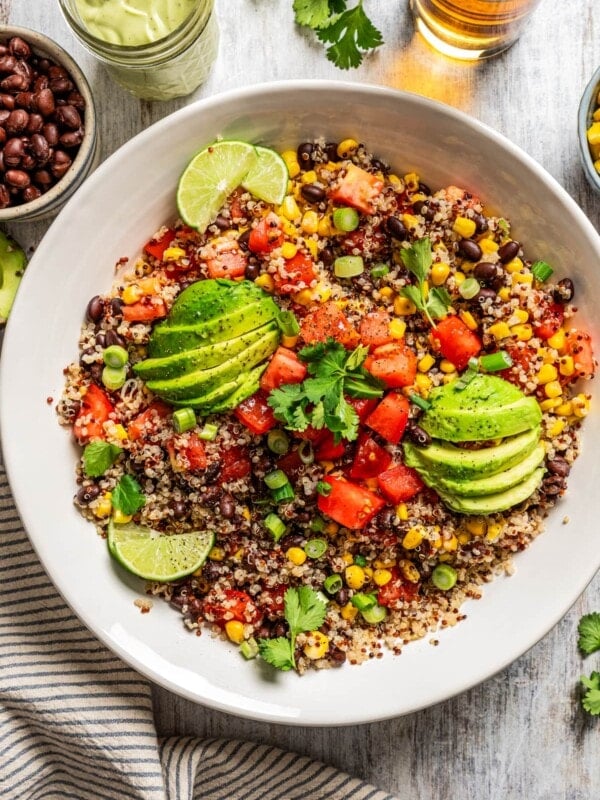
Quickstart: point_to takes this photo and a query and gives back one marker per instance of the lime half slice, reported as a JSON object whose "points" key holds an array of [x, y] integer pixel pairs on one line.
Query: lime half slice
{"points": [[156, 556], [209, 179], [268, 178]]}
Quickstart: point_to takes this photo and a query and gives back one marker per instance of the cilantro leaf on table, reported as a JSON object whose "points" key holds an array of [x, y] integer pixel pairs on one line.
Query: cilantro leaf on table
{"points": [[591, 699], [320, 399], [99, 456], [589, 633], [418, 259], [316, 13], [304, 610], [127, 496]]}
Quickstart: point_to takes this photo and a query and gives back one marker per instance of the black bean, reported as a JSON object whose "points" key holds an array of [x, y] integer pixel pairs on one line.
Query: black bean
{"points": [[178, 508], [252, 271], [304, 153], [116, 307], [113, 338], [336, 655], [564, 291], [553, 485], [508, 251], [227, 505], [395, 227], [14, 150], [95, 309], [417, 435], [424, 189], [222, 223], [485, 272], [96, 372], [558, 466], [88, 493], [481, 223], [469, 249], [19, 48], [327, 256], [211, 571], [483, 295], [341, 597], [31, 193], [331, 151], [380, 166], [291, 540], [313, 193], [100, 339], [243, 239]]}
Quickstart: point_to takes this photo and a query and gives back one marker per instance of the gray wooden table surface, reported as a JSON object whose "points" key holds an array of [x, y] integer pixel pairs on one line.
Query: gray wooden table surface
{"points": [[521, 734]]}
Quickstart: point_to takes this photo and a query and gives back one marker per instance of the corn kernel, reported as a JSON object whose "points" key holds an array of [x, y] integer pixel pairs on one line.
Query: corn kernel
{"points": [[596, 115], [411, 179], [553, 389], [266, 282], [289, 341], [238, 555], [397, 328], [459, 277], [469, 320], [476, 526], [409, 571], [348, 558], [327, 465], [119, 432], [551, 403], [488, 246], [557, 340], [439, 273], [523, 332], [309, 177], [564, 409], [368, 572], [347, 147], [293, 169], [422, 382], [517, 277], [310, 222], [289, 209], [349, 612], [132, 294], [494, 530], [216, 554], [519, 315], [288, 250], [288, 227], [464, 537], [381, 577], [313, 248], [403, 306], [412, 539], [289, 156], [317, 647], [103, 507], [437, 543], [296, 555], [447, 366], [557, 427], [120, 518], [304, 297], [235, 631], [386, 292], [504, 294], [355, 576], [514, 265], [593, 133], [499, 330], [384, 563], [426, 363], [547, 373], [324, 226], [450, 545], [402, 511], [566, 366], [173, 253], [581, 406], [410, 221], [464, 226]]}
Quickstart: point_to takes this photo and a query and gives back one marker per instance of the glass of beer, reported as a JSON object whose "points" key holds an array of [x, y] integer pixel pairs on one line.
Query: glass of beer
{"points": [[471, 29]]}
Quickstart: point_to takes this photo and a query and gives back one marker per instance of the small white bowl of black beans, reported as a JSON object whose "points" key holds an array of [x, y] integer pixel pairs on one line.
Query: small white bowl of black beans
{"points": [[48, 142]]}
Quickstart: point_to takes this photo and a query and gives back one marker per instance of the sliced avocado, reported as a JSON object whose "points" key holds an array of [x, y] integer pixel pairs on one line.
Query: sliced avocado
{"points": [[211, 355], [493, 503], [499, 482], [167, 340], [203, 381], [487, 408], [212, 298], [204, 402], [249, 386], [12, 265], [455, 463]]}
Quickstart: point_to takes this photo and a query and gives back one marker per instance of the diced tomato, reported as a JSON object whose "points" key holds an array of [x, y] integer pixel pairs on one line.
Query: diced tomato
{"points": [[363, 406], [390, 417], [370, 459], [266, 236], [328, 321], [95, 410], [374, 329], [348, 504], [578, 345], [187, 453], [357, 188], [234, 605], [551, 320], [147, 422], [371, 243], [395, 364], [235, 464], [228, 260], [299, 272], [328, 450], [455, 341], [256, 414], [157, 247], [400, 483], [291, 464], [235, 207], [284, 367], [147, 309], [524, 365], [396, 591], [314, 435]]}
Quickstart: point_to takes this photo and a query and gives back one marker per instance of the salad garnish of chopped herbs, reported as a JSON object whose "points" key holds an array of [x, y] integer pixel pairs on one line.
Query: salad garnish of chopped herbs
{"points": [[304, 610]]}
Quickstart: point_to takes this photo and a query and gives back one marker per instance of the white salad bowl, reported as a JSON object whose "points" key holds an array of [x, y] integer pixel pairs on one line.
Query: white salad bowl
{"points": [[112, 215]]}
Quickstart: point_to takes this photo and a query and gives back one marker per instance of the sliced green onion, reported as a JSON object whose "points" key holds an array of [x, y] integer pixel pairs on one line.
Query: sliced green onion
{"points": [[444, 577], [306, 452], [323, 488], [333, 583], [318, 525], [276, 479], [346, 219], [375, 614], [348, 266], [315, 548], [419, 401], [275, 526], [249, 648], [114, 378], [209, 432], [288, 323], [115, 356], [184, 419], [541, 271], [363, 601], [361, 561], [469, 288], [473, 363], [379, 270], [494, 362], [278, 442], [465, 379], [284, 493]]}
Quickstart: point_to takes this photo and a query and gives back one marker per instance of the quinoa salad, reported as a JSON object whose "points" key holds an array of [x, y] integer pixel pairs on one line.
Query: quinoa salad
{"points": [[369, 393]]}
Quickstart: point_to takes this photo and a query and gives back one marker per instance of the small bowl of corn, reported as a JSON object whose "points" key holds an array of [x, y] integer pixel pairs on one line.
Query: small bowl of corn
{"points": [[589, 130]]}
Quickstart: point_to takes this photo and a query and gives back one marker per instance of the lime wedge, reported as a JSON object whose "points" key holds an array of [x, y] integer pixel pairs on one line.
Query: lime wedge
{"points": [[268, 178], [209, 179], [156, 556]]}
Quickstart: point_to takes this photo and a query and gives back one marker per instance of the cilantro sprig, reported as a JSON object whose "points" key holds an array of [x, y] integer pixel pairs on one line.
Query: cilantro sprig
{"points": [[320, 400], [589, 633], [418, 259], [349, 32], [591, 699], [98, 457], [304, 610], [127, 496]]}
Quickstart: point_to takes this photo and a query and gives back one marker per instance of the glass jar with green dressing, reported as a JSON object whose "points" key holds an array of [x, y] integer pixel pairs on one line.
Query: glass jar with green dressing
{"points": [[155, 49]]}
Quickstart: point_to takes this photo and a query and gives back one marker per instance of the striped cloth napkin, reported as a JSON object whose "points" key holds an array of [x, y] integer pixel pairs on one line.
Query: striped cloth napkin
{"points": [[75, 722]]}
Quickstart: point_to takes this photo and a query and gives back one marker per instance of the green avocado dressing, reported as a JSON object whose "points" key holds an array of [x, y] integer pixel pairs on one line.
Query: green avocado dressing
{"points": [[133, 22]]}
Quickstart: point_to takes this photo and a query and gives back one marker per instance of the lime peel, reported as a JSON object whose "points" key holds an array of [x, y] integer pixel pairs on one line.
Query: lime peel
{"points": [[267, 180]]}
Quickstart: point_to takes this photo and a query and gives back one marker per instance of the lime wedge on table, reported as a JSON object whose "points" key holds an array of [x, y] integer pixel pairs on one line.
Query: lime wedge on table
{"points": [[156, 556], [268, 178], [209, 179]]}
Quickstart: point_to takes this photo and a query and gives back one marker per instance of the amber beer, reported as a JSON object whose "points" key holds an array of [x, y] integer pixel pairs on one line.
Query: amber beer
{"points": [[472, 29]]}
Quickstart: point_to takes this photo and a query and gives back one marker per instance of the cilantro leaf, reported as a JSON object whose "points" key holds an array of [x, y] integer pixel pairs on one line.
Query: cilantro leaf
{"points": [[313, 13], [127, 496], [591, 699], [277, 652], [438, 302], [418, 258], [304, 610], [351, 34], [98, 456], [589, 633]]}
